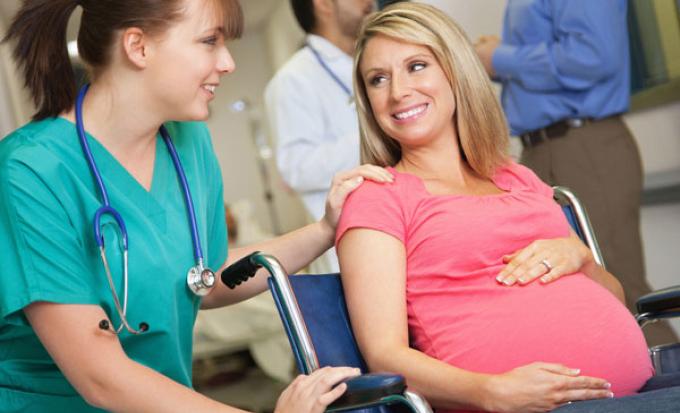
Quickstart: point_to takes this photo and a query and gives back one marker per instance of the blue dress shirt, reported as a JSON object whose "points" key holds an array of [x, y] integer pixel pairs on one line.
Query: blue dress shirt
{"points": [[562, 59]]}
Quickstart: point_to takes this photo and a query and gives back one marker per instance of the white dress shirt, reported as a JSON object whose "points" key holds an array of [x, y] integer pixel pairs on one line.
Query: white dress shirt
{"points": [[314, 121]]}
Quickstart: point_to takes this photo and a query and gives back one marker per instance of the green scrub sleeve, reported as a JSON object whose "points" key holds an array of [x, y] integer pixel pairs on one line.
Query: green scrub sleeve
{"points": [[42, 257]]}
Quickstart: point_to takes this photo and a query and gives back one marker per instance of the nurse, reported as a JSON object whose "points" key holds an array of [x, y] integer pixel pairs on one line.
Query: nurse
{"points": [[151, 63]]}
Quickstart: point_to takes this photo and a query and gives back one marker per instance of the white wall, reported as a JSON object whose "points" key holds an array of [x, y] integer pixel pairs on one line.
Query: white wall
{"points": [[15, 105], [657, 132], [232, 134], [477, 17], [7, 121], [284, 35]]}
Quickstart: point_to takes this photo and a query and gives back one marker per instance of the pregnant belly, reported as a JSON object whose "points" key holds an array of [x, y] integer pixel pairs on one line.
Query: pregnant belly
{"points": [[574, 322]]}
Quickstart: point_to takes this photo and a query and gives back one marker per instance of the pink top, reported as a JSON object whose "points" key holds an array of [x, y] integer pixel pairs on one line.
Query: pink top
{"points": [[458, 313]]}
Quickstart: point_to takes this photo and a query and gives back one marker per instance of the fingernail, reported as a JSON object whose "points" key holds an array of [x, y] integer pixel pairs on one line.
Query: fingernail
{"points": [[545, 279], [576, 371], [607, 385], [522, 280], [499, 279], [508, 281], [610, 395], [357, 371], [358, 179]]}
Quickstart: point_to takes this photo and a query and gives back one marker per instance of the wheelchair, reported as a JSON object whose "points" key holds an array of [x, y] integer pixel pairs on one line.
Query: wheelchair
{"points": [[314, 314]]}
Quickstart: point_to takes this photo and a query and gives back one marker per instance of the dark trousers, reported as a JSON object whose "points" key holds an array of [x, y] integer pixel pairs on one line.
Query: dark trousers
{"points": [[600, 162]]}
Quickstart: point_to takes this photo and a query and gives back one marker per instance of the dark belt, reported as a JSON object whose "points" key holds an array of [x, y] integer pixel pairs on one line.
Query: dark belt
{"points": [[556, 130]]}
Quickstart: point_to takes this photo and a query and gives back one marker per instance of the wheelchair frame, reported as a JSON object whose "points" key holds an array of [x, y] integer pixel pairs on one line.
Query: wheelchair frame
{"points": [[302, 345]]}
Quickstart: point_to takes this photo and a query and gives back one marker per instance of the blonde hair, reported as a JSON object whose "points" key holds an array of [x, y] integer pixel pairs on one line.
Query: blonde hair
{"points": [[479, 121]]}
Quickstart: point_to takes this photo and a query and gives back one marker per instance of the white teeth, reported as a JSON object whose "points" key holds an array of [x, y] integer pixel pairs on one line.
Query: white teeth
{"points": [[210, 88], [412, 112]]}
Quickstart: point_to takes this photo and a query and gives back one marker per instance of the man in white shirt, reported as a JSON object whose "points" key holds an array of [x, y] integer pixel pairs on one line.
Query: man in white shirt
{"points": [[309, 101]]}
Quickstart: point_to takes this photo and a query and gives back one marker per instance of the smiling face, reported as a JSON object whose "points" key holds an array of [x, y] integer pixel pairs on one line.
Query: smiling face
{"points": [[187, 62], [409, 93]]}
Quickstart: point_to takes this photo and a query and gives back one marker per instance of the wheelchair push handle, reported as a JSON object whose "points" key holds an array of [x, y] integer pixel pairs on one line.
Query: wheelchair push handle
{"points": [[245, 268], [241, 270]]}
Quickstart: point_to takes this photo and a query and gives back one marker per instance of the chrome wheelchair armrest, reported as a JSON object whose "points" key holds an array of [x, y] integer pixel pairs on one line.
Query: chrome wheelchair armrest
{"points": [[658, 304]]}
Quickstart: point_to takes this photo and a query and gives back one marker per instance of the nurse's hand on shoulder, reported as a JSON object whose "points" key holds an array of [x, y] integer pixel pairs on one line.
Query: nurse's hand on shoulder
{"points": [[313, 393], [347, 181]]}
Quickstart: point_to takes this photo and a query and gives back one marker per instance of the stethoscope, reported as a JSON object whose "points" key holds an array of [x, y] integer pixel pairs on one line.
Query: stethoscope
{"points": [[330, 72], [200, 279]]}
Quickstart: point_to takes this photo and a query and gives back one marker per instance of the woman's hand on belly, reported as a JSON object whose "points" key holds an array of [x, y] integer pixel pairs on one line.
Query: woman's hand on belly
{"points": [[541, 387], [548, 259]]}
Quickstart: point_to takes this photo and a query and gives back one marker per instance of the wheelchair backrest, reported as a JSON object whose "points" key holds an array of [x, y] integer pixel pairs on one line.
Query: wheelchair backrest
{"points": [[322, 303]]}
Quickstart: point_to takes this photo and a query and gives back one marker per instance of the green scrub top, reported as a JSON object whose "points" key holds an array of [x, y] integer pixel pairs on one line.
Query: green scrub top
{"points": [[48, 198]]}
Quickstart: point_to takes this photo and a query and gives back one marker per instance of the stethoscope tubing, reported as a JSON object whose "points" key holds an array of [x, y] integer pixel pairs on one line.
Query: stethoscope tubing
{"points": [[328, 70], [188, 200], [196, 283], [106, 208]]}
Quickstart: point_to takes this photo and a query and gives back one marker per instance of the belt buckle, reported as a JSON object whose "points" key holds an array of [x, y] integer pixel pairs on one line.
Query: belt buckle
{"points": [[576, 122]]}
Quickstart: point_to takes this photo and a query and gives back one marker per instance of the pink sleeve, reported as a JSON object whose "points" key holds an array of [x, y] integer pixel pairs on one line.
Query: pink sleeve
{"points": [[373, 206], [528, 179]]}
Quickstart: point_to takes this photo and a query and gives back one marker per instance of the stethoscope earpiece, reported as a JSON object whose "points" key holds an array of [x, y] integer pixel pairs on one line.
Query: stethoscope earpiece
{"points": [[105, 325]]}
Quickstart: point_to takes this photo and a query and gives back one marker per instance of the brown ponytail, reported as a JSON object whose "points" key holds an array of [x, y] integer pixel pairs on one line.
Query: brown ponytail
{"points": [[39, 33], [39, 30]]}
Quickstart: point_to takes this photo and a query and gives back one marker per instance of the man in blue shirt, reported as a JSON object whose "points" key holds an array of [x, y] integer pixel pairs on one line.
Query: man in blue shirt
{"points": [[565, 71]]}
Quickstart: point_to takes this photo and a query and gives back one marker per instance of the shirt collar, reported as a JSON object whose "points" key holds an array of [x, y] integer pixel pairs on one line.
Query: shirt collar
{"points": [[326, 49]]}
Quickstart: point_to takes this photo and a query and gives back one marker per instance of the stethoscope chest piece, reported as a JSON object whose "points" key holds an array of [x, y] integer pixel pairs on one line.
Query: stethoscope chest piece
{"points": [[200, 280]]}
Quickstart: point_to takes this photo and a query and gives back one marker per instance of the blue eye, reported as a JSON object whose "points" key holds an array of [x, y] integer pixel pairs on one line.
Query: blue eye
{"points": [[212, 40]]}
